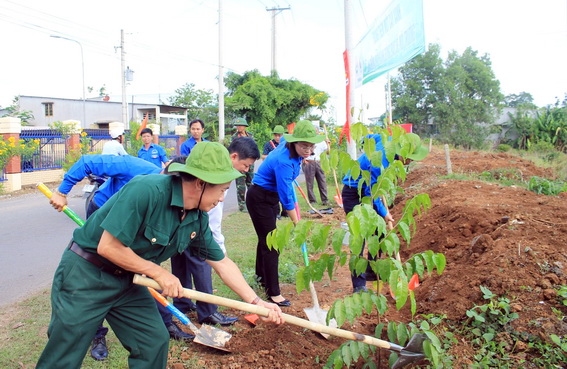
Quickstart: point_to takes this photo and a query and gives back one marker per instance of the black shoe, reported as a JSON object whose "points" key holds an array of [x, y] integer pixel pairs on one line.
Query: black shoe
{"points": [[284, 303], [177, 334], [218, 318], [99, 351], [360, 289], [370, 276]]}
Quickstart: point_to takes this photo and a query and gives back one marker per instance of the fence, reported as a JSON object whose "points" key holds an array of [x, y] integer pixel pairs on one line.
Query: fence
{"points": [[52, 147], [49, 155]]}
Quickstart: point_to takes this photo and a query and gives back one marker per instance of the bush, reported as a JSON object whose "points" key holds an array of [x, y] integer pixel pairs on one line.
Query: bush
{"points": [[503, 147], [545, 186]]}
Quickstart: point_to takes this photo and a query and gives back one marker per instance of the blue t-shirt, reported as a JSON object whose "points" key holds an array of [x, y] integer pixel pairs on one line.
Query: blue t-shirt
{"points": [[375, 172], [119, 169], [188, 145], [277, 173], [154, 154]]}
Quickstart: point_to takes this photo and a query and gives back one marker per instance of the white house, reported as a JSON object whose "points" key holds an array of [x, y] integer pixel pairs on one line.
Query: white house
{"points": [[99, 113]]}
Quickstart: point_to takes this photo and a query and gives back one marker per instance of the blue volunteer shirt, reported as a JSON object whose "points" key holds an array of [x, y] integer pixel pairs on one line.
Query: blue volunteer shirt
{"points": [[120, 169], [188, 145], [375, 172], [277, 173], [154, 154]]}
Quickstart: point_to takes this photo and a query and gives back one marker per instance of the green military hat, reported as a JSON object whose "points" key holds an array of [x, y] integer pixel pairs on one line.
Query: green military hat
{"points": [[279, 130], [210, 162], [304, 131], [240, 122]]}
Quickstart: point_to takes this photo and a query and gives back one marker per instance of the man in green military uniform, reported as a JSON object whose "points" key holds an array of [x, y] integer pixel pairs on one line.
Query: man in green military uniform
{"points": [[145, 223], [243, 183]]}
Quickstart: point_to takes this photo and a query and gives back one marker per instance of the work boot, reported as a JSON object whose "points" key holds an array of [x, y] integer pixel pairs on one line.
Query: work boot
{"points": [[99, 351], [177, 334], [218, 318]]}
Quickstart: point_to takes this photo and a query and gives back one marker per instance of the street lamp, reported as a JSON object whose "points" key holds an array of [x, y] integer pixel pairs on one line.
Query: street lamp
{"points": [[83, 71]]}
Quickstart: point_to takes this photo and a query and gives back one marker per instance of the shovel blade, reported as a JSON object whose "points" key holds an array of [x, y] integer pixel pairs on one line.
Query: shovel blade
{"points": [[318, 315], [212, 337], [412, 353]]}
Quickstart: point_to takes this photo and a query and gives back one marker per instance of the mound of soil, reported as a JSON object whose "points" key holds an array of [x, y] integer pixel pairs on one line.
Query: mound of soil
{"points": [[505, 238]]}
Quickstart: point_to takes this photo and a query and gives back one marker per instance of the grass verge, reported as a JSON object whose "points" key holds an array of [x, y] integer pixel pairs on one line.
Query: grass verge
{"points": [[23, 326]]}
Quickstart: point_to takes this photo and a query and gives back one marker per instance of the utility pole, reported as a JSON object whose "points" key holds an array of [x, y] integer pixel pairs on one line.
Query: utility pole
{"points": [[349, 46], [221, 79], [275, 11], [123, 68]]}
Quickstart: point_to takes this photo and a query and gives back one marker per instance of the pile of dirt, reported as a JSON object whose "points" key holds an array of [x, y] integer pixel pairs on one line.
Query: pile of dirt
{"points": [[505, 238]]}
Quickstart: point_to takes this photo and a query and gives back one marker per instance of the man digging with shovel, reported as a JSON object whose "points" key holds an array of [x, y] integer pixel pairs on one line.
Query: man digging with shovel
{"points": [[144, 224]]}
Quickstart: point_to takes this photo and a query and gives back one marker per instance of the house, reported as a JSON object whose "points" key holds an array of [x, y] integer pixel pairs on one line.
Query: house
{"points": [[98, 113]]}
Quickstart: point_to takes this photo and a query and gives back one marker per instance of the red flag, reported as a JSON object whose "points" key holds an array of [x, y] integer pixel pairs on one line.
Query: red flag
{"points": [[346, 128], [143, 126]]}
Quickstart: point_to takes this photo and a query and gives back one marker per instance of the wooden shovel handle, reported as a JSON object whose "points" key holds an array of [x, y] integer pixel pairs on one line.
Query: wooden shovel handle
{"points": [[260, 310]]}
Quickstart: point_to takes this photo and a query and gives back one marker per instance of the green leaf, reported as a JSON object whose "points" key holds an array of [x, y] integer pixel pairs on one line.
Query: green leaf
{"points": [[357, 303], [349, 310], [339, 312], [300, 231], [392, 331], [428, 257], [418, 265], [402, 334], [331, 266], [355, 244], [440, 262], [334, 158], [361, 265], [404, 230], [347, 357], [319, 237], [413, 303], [402, 291], [434, 340], [366, 302], [373, 245], [337, 240], [364, 350], [354, 352], [325, 165], [300, 281]]}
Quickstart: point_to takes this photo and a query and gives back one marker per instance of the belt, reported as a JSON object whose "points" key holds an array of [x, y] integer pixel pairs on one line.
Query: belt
{"points": [[95, 260]]}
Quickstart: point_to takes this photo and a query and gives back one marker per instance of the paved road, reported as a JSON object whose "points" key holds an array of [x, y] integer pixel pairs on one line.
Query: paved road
{"points": [[33, 237]]}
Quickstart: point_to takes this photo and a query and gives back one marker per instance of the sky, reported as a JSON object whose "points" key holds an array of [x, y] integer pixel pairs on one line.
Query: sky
{"points": [[176, 42]]}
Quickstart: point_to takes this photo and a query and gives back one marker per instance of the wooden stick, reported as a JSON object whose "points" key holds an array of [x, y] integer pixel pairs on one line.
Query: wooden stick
{"points": [[262, 311]]}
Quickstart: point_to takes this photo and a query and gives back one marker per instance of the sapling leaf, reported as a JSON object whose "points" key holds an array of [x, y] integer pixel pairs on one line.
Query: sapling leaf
{"points": [[392, 331], [337, 240], [355, 354], [300, 231], [440, 262], [404, 230], [428, 257], [319, 236], [325, 165], [373, 245], [346, 354], [349, 310], [402, 334], [300, 281]]}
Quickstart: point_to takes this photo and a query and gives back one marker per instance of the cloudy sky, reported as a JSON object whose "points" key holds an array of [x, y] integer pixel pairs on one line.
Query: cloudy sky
{"points": [[174, 42]]}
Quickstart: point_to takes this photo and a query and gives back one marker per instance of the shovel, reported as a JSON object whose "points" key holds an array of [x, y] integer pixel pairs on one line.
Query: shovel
{"points": [[207, 335], [307, 200], [314, 313], [410, 354]]}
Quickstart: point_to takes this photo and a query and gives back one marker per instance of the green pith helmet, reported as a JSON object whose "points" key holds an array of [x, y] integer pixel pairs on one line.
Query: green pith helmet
{"points": [[210, 162], [279, 130], [240, 122], [305, 132]]}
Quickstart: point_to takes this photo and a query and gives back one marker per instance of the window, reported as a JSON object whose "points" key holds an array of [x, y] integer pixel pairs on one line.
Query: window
{"points": [[48, 107]]}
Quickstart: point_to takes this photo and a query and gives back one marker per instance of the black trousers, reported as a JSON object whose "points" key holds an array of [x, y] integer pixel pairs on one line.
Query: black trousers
{"points": [[263, 207], [351, 198]]}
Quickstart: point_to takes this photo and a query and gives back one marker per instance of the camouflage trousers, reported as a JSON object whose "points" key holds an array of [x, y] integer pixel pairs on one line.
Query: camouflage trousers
{"points": [[242, 184]]}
